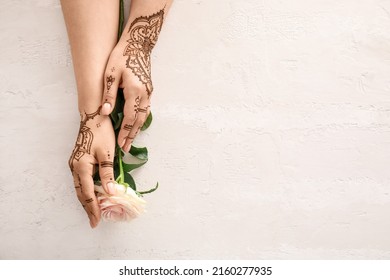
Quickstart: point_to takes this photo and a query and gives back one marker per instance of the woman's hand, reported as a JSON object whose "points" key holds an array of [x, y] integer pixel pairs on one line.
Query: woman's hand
{"points": [[95, 145], [129, 67]]}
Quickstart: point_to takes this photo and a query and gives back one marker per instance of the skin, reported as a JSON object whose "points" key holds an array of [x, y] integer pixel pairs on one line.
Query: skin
{"points": [[101, 65], [147, 15]]}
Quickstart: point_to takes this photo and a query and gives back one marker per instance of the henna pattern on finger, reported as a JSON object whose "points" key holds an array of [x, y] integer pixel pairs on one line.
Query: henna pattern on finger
{"points": [[144, 32], [142, 110], [137, 101], [106, 164], [84, 139], [128, 127], [80, 185], [136, 105], [89, 200], [110, 80], [112, 69]]}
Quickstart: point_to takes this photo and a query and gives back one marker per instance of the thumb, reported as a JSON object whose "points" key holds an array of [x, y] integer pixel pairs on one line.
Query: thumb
{"points": [[111, 83], [106, 172]]}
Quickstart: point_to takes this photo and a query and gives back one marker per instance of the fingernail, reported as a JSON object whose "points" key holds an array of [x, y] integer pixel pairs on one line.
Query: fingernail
{"points": [[123, 142], [111, 188], [92, 224], [106, 108]]}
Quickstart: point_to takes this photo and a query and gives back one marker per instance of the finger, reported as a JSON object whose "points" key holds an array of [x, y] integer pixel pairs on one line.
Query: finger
{"points": [[142, 113], [111, 83], [106, 170], [79, 192], [148, 110], [88, 199], [130, 112]]}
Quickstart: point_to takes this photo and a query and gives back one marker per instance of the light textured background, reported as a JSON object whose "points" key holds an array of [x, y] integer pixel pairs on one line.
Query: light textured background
{"points": [[270, 140]]}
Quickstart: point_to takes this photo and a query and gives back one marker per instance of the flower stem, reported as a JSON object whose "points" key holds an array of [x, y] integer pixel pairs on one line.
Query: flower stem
{"points": [[121, 173]]}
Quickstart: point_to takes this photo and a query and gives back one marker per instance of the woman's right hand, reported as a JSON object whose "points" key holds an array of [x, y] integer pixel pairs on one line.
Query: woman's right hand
{"points": [[95, 145]]}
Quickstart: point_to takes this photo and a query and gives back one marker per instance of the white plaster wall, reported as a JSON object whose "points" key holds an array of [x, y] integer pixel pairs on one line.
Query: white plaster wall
{"points": [[271, 136]]}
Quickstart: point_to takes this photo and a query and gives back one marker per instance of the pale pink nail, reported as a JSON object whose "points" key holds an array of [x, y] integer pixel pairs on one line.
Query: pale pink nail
{"points": [[111, 188], [106, 108]]}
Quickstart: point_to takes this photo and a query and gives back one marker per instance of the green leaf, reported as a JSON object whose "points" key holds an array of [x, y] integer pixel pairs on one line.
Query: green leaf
{"points": [[129, 179], [127, 167], [114, 118], [96, 177], [121, 18], [116, 172], [149, 191], [136, 158], [140, 153], [147, 122], [119, 121], [118, 109]]}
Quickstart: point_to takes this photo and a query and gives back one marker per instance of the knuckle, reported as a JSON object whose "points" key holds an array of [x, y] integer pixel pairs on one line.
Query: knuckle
{"points": [[130, 118], [136, 88], [106, 174], [108, 96], [82, 165]]}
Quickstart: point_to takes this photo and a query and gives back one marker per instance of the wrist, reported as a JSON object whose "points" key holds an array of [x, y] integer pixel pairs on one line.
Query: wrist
{"points": [[95, 119], [86, 106]]}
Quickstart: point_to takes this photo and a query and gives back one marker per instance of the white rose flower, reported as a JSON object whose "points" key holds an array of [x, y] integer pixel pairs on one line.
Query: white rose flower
{"points": [[125, 205]]}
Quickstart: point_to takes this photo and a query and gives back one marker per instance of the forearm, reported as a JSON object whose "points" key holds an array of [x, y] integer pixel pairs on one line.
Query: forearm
{"points": [[92, 30]]}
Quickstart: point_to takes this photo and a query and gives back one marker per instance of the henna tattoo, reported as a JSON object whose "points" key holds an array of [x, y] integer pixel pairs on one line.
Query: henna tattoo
{"points": [[144, 32], [89, 200], [136, 105], [112, 69], [98, 125], [142, 110], [84, 140], [137, 101], [106, 164], [128, 127], [110, 80]]}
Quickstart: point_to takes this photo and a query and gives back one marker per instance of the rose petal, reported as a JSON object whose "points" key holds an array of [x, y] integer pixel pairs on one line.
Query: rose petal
{"points": [[125, 205]]}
